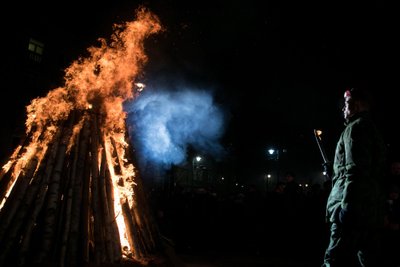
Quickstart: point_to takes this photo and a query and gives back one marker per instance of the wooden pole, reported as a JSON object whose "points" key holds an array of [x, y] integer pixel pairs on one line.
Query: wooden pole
{"points": [[117, 250], [39, 201], [85, 208], [105, 209], [69, 201], [74, 251], [130, 230], [15, 200], [53, 198], [98, 240]]}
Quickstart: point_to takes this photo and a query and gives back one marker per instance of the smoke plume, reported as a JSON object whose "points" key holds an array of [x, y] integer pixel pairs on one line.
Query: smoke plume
{"points": [[163, 124]]}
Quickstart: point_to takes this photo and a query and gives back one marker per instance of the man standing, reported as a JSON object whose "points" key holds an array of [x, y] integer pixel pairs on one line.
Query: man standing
{"points": [[356, 202]]}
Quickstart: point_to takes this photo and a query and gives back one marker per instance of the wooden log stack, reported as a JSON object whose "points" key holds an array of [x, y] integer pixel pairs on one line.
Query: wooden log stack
{"points": [[58, 200]]}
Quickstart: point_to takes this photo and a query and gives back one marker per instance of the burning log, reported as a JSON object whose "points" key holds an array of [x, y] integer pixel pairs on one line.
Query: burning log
{"points": [[76, 209], [53, 199], [38, 203], [70, 194], [96, 214], [15, 210], [84, 207], [111, 222], [69, 201]]}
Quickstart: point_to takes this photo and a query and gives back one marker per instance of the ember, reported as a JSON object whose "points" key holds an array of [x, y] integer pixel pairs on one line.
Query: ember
{"points": [[70, 192]]}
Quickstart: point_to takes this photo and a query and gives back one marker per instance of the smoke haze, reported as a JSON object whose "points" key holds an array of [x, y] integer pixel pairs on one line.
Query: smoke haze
{"points": [[164, 124]]}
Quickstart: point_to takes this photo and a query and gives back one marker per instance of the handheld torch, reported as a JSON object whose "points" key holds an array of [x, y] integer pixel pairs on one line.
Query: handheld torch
{"points": [[326, 164]]}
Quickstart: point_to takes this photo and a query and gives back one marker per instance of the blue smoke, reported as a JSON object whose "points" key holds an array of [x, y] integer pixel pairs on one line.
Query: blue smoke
{"points": [[162, 125]]}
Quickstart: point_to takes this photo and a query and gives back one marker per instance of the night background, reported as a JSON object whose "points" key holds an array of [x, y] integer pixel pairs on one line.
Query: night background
{"points": [[276, 70]]}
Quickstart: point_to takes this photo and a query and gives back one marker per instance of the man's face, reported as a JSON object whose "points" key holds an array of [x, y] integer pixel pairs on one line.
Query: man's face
{"points": [[349, 108]]}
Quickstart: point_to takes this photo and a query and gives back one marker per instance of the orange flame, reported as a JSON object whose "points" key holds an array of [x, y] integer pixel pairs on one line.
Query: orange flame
{"points": [[102, 81]]}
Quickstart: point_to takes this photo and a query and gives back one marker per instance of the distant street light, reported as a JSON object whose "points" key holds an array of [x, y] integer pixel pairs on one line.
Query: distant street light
{"points": [[274, 154], [267, 179], [195, 168]]}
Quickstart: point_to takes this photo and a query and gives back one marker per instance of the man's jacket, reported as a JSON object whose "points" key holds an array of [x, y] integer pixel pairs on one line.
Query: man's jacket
{"points": [[357, 193]]}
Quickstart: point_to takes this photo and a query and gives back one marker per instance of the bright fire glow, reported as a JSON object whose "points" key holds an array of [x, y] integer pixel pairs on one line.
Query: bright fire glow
{"points": [[100, 83]]}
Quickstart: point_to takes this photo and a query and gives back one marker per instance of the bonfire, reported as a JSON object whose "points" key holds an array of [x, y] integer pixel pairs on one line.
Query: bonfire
{"points": [[70, 192]]}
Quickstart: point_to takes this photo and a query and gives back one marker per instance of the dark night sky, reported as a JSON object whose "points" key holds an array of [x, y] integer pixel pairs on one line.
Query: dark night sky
{"points": [[279, 67]]}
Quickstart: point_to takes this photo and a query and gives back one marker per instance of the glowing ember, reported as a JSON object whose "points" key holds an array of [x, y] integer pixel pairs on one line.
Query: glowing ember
{"points": [[78, 133]]}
